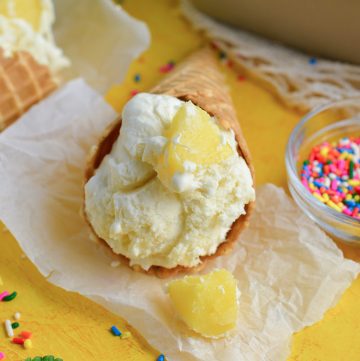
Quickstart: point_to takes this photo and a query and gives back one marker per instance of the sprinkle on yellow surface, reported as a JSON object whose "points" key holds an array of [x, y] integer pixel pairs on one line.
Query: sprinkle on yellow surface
{"points": [[207, 304], [194, 137], [28, 10]]}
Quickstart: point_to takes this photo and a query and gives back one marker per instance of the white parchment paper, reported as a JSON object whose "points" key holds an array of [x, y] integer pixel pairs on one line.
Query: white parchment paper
{"points": [[288, 270], [99, 38]]}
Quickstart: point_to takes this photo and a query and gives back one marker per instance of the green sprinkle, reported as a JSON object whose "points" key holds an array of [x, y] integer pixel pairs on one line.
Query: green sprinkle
{"points": [[15, 325], [28, 359], [48, 358], [306, 162], [351, 170], [37, 358], [329, 162], [58, 359], [10, 297]]}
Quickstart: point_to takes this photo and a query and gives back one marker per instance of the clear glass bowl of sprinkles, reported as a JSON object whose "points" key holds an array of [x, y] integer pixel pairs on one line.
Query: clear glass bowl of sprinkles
{"points": [[323, 168]]}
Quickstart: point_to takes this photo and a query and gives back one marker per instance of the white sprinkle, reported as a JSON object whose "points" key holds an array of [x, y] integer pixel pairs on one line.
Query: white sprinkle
{"points": [[332, 176], [9, 329], [17, 315], [115, 264]]}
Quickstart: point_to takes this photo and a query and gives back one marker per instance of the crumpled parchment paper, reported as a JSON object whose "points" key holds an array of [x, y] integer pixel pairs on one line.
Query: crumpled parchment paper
{"points": [[99, 38], [289, 272]]}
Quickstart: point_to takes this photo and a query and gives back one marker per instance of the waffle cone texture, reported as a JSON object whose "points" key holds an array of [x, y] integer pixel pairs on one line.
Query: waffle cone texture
{"points": [[23, 82], [197, 79]]}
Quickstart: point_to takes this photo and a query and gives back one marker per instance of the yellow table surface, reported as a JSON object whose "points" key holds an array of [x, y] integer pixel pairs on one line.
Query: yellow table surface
{"points": [[69, 326]]}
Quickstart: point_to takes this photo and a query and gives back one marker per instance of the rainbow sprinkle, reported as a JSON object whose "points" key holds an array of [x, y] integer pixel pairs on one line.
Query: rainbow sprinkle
{"points": [[332, 175], [167, 67]]}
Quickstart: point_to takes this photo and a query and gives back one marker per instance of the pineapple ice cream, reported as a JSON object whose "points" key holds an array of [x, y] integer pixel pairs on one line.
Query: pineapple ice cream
{"points": [[172, 186], [26, 25]]}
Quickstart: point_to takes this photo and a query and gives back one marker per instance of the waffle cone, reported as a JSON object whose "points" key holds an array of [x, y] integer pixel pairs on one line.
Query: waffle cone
{"points": [[197, 79], [23, 82]]}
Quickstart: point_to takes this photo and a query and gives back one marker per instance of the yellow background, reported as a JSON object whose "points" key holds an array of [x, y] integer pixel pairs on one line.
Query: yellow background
{"points": [[69, 326]]}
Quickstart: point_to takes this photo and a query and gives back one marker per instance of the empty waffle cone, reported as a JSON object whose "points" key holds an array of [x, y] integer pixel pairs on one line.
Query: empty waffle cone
{"points": [[197, 79], [23, 82]]}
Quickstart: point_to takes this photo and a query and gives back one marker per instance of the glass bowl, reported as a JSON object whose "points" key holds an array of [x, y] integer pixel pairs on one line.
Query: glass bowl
{"points": [[326, 123]]}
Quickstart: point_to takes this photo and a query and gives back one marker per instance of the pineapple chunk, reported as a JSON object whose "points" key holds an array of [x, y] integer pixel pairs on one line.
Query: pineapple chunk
{"points": [[207, 304], [193, 137]]}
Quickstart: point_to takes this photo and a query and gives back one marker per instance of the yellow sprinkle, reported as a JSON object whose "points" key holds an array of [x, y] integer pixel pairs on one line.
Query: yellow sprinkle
{"points": [[324, 151], [312, 186], [357, 198], [348, 197], [333, 206], [318, 196], [354, 182], [326, 197], [28, 344], [340, 205], [125, 335], [344, 155]]}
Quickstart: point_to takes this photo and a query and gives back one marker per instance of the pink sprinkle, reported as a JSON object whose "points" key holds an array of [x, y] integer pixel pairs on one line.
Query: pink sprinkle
{"points": [[305, 183], [134, 92], [2, 356], [341, 164], [4, 294], [334, 185], [347, 211], [167, 67]]}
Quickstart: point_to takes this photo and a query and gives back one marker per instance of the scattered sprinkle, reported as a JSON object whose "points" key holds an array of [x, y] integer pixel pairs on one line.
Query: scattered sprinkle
{"points": [[115, 331], [2, 356], [17, 316], [23, 256], [8, 328], [161, 358], [313, 61], [115, 264], [332, 175], [230, 63], [18, 340], [137, 78], [26, 334], [134, 92], [4, 294], [167, 67], [9, 297], [15, 325], [125, 335], [28, 344], [241, 77]]}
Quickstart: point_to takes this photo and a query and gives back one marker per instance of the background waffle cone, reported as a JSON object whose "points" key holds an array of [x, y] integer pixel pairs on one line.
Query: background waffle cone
{"points": [[197, 79], [23, 82]]}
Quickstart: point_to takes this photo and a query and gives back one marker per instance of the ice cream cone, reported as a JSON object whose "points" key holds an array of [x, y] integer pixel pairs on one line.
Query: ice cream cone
{"points": [[197, 79], [23, 82]]}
